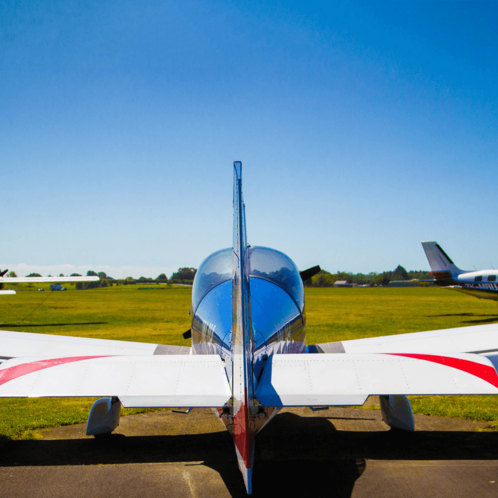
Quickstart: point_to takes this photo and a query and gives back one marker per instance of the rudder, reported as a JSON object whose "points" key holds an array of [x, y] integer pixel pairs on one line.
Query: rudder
{"points": [[439, 261]]}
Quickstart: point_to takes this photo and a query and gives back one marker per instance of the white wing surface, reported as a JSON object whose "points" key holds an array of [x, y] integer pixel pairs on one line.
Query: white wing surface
{"points": [[26, 280], [348, 379], [15, 344], [479, 339], [138, 381]]}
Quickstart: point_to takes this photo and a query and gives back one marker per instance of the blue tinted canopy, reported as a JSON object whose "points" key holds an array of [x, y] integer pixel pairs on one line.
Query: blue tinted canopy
{"points": [[214, 270], [264, 263], [278, 268]]}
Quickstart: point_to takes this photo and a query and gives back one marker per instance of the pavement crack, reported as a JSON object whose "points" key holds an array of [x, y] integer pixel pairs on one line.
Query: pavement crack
{"points": [[190, 484]]}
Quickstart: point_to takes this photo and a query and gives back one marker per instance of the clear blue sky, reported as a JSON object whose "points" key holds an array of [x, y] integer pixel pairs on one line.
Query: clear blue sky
{"points": [[364, 128]]}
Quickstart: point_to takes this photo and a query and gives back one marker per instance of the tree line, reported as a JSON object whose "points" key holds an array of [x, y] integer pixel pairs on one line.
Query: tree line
{"points": [[182, 276], [327, 279], [186, 276]]}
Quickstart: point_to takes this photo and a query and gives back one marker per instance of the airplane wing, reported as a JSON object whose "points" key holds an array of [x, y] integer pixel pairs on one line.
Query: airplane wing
{"points": [[16, 344], [348, 379], [138, 381], [29, 280], [478, 339]]}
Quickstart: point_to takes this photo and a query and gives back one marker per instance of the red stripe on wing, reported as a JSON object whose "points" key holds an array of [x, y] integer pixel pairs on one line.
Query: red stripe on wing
{"points": [[484, 372], [11, 373]]}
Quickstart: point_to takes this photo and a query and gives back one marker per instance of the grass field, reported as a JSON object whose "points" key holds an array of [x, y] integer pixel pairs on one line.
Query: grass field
{"points": [[127, 313]]}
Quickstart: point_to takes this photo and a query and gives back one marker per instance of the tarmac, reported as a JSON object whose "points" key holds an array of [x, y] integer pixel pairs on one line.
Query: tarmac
{"points": [[339, 452]]}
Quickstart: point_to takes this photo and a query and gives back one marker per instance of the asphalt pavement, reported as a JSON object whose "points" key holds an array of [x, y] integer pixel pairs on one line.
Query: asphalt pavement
{"points": [[341, 452]]}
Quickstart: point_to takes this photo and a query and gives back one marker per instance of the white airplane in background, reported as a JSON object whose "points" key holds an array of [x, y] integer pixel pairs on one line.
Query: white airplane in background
{"points": [[249, 356], [24, 280], [481, 284]]}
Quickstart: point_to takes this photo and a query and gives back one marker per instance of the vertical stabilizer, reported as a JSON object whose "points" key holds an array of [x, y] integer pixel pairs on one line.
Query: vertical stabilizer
{"points": [[441, 263], [242, 344]]}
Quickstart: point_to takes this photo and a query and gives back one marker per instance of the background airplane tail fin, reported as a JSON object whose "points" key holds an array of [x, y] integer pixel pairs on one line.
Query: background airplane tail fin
{"points": [[242, 378], [441, 263]]}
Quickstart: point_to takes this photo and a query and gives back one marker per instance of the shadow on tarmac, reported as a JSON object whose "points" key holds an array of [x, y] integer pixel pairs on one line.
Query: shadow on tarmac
{"points": [[294, 454]]}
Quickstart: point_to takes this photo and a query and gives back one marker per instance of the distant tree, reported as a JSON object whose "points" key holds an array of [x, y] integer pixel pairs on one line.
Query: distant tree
{"points": [[91, 273], [184, 274], [102, 275], [75, 275], [361, 279], [12, 274], [33, 275], [420, 274], [61, 275], [162, 278], [382, 278], [325, 279], [400, 274]]}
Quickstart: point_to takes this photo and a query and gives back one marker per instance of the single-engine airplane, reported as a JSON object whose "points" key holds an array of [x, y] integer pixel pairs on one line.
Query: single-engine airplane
{"points": [[481, 284], [249, 356]]}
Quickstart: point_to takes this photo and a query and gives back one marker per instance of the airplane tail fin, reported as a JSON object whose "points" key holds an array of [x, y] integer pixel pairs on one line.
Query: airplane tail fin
{"points": [[242, 343], [441, 264]]}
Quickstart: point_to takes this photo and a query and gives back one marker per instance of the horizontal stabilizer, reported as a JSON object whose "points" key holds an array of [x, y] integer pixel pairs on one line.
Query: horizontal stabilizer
{"points": [[138, 381], [348, 379], [310, 272], [15, 344]]}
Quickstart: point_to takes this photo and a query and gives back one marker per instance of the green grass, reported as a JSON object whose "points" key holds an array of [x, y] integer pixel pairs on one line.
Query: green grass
{"points": [[126, 313], [354, 313]]}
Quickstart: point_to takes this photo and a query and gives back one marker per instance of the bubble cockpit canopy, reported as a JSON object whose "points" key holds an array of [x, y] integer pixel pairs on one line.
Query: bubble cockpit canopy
{"points": [[264, 263]]}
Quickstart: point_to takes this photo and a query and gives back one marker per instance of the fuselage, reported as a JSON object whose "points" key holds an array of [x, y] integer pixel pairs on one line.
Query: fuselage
{"points": [[482, 284]]}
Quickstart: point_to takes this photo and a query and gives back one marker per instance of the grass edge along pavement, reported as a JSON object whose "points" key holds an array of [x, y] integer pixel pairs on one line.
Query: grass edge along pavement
{"points": [[126, 313]]}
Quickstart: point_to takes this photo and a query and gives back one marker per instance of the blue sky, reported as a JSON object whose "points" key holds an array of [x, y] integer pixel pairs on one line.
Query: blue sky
{"points": [[364, 128]]}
